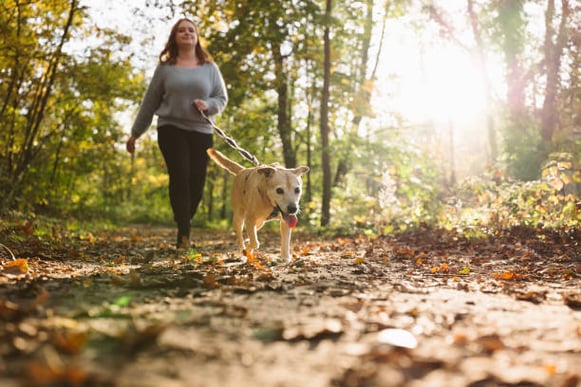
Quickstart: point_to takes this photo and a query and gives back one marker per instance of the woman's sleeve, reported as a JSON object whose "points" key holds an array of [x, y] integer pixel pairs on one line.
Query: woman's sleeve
{"points": [[219, 96], [149, 105]]}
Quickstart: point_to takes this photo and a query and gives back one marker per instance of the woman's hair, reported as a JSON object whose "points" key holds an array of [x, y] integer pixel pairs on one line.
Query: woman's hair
{"points": [[169, 53]]}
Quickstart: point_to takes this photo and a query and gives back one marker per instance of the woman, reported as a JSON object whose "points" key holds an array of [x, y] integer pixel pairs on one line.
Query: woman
{"points": [[185, 82]]}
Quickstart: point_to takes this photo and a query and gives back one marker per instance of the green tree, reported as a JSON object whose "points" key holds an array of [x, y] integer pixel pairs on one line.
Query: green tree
{"points": [[58, 102]]}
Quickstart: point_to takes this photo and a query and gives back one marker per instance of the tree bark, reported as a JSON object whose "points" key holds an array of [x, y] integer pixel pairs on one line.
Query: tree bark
{"points": [[553, 54], [325, 154], [284, 121]]}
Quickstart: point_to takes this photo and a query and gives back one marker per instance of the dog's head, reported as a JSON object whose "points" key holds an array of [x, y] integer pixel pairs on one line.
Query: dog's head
{"points": [[284, 188]]}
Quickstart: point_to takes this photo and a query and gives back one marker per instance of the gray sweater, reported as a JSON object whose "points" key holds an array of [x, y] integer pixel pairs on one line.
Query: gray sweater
{"points": [[171, 93]]}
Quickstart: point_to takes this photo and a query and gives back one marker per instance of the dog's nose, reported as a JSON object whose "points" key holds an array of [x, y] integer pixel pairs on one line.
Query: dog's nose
{"points": [[292, 208]]}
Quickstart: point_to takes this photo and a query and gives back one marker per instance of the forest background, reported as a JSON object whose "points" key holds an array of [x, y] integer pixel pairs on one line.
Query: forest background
{"points": [[460, 114]]}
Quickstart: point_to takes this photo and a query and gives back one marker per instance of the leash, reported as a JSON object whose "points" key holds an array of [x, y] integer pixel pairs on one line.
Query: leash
{"points": [[230, 141]]}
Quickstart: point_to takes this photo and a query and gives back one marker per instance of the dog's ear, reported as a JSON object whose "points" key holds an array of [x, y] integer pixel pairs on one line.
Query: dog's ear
{"points": [[300, 170], [266, 170]]}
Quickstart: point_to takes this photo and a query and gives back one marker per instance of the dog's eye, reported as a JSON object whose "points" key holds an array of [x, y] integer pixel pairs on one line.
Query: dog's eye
{"points": [[297, 190], [279, 191]]}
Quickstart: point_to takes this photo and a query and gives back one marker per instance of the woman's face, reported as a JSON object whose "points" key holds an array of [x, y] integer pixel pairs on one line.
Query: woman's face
{"points": [[186, 34]]}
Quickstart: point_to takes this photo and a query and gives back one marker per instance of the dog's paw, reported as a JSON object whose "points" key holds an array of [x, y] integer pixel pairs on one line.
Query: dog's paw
{"points": [[286, 260]]}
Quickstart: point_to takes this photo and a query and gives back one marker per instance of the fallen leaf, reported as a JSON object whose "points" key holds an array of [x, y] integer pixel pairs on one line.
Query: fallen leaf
{"points": [[43, 375], [572, 300], [10, 311], [253, 261], [18, 266], [490, 343], [465, 270], [506, 276], [532, 296], [397, 338], [70, 342], [210, 281], [459, 339]]}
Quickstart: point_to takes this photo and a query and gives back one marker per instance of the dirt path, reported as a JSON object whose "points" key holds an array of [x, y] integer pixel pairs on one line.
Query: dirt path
{"points": [[429, 308]]}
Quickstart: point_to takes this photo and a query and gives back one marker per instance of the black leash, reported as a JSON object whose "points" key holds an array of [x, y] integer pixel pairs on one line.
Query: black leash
{"points": [[230, 141]]}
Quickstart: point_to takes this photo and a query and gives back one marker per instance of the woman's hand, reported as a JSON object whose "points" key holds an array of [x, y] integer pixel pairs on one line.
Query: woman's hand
{"points": [[200, 104], [130, 145]]}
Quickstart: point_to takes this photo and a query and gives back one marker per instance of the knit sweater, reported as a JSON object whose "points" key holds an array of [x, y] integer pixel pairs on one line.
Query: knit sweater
{"points": [[170, 95]]}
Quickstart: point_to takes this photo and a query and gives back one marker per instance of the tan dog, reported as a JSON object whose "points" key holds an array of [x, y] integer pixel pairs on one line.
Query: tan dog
{"points": [[260, 194]]}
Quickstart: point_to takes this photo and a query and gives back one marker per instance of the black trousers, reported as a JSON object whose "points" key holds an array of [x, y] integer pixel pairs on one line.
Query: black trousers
{"points": [[186, 160]]}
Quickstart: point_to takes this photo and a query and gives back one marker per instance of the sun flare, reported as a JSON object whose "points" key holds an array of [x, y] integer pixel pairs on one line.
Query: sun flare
{"points": [[440, 86]]}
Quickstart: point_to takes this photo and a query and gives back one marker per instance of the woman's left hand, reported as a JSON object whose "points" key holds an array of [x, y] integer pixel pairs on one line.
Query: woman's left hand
{"points": [[200, 104]]}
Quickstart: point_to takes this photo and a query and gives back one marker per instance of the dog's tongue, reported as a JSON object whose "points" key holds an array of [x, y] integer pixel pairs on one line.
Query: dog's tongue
{"points": [[291, 220]]}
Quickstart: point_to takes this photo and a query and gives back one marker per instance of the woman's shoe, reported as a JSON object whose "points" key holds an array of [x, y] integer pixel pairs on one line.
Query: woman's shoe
{"points": [[183, 242]]}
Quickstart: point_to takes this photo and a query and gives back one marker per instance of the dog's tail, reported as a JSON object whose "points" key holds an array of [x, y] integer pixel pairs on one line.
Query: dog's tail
{"points": [[223, 161]]}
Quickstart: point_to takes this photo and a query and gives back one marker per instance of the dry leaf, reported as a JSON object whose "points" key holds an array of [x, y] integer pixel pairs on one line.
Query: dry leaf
{"points": [[210, 281], [397, 338], [18, 266], [572, 300], [70, 342]]}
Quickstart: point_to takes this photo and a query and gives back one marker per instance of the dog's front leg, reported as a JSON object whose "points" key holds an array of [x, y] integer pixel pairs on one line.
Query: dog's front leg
{"points": [[252, 228], [285, 240], [238, 223]]}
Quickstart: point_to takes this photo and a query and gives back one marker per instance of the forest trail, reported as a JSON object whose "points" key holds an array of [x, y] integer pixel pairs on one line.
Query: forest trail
{"points": [[425, 308]]}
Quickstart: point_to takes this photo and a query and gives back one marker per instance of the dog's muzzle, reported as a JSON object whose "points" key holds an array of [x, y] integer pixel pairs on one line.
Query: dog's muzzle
{"points": [[289, 216]]}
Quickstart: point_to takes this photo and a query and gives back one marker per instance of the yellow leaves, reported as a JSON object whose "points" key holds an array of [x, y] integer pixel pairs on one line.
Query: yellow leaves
{"points": [[253, 261], [90, 238], [419, 259], [443, 268], [196, 256], [551, 369]]}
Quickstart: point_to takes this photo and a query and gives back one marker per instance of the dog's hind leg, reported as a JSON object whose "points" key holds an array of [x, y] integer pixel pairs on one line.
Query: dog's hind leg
{"points": [[285, 241]]}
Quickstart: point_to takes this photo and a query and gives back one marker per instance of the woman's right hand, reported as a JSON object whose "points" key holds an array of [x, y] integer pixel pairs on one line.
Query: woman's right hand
{"points": [[130, 145]]}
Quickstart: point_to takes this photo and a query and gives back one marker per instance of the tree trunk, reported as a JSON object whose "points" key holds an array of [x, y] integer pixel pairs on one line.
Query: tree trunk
{"points": [[512, 24], [553, 53], [326, 157], [284, 120], [362, 87]]}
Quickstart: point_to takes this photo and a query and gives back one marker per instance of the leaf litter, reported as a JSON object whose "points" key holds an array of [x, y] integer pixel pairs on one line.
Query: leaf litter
{"points": [[429, 307]]}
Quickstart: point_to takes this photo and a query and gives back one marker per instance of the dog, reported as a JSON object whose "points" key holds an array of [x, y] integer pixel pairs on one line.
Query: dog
{"points": [[261, 194]]}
